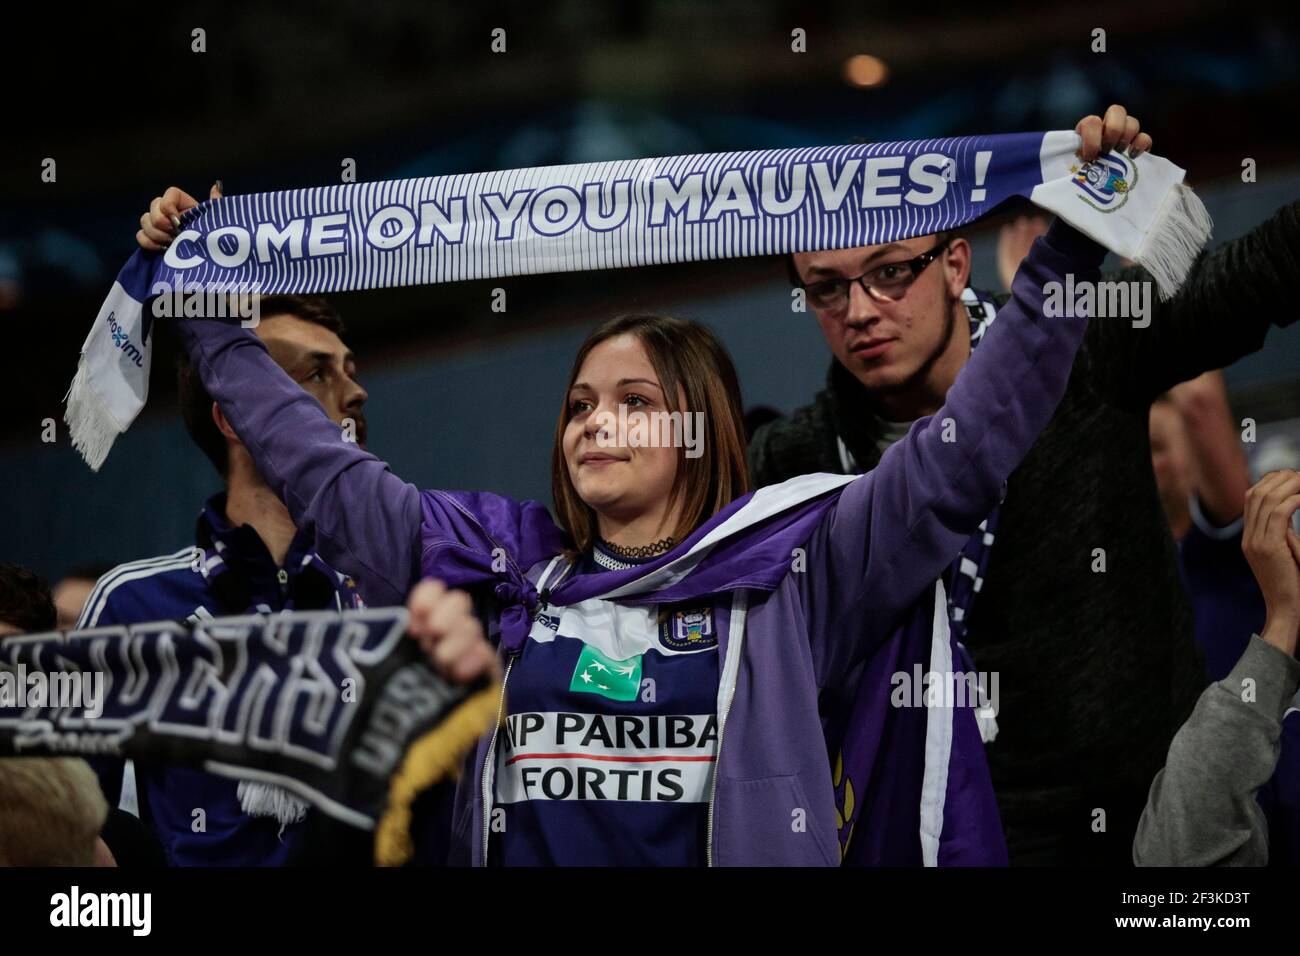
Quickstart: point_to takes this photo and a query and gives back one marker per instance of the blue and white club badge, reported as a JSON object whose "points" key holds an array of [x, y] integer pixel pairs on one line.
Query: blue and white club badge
{"points": [[689, 630], [1105, 183]]}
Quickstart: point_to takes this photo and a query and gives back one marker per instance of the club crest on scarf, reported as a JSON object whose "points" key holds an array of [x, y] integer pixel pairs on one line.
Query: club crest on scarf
{"points": [[1105, 182]]}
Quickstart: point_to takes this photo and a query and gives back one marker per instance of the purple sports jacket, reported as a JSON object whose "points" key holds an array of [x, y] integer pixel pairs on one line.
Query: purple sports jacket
{"points": [[862, 608]]}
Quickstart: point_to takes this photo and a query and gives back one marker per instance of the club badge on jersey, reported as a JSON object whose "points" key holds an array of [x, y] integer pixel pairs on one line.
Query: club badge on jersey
{"points": [[688, 629]]}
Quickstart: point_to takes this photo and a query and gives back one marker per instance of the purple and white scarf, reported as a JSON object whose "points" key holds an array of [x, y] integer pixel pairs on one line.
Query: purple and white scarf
{"points": [[610, 215]]}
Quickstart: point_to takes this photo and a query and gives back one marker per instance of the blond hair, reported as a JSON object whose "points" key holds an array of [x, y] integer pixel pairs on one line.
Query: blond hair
{"points": [[51, 811]]}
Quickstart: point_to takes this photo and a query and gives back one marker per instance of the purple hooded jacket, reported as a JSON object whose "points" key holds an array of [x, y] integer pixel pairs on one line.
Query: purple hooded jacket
{"points": [[862, 608]]}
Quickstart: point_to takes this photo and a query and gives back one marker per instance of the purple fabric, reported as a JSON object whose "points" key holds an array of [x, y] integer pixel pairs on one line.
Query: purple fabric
{"points": [[1227, 605], [880, 766], [882, 758], [758, 558], [1280, 798], [970, 808], [871, 558]]}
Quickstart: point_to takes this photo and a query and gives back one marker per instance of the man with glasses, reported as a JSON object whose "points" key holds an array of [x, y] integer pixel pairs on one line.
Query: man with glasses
{"points": [[1070, 592], [895, 355]]}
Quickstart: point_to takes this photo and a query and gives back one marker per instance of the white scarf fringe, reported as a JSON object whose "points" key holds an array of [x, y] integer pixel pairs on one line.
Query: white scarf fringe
{"points": [[90, 426], [1181, 228], [266, 800]]}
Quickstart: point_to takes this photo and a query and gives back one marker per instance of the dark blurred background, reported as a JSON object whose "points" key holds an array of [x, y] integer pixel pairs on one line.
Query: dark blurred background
{"points": [[465, 397]]}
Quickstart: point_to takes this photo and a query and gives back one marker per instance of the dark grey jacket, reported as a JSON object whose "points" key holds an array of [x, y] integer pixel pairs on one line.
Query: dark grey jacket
{"points": [[1202, 809]]}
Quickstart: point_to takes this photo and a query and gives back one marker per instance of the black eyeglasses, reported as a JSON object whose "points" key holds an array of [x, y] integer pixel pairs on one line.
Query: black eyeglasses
{"points": [[884, 283]]}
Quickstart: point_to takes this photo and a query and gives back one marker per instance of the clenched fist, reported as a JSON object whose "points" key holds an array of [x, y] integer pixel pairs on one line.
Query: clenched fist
{"points": [[444, 623]]}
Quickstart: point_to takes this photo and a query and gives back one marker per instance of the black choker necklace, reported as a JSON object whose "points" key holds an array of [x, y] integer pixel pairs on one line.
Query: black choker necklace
{"points": [[643, 551]]}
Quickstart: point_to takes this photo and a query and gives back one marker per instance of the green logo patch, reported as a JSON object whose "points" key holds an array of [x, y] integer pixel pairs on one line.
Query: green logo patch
{"points": [[597, 674]]}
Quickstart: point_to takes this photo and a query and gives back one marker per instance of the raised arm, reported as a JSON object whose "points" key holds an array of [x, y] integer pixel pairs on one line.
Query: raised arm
{"points": [[1202, 809], [897, 528], [1232, 297], [365, 519], [1220, 473]]}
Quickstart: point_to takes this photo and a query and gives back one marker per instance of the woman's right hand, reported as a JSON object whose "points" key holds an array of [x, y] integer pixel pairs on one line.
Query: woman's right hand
{"points": [[158, 226], [1273, 550], [444, 623]]}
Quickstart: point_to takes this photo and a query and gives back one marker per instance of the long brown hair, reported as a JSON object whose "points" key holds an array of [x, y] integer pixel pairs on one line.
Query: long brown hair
{"points": [[688, 356]]}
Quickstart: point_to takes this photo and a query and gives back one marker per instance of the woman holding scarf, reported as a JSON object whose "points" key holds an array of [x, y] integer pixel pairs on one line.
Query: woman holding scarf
{"points": [[676, 650]]}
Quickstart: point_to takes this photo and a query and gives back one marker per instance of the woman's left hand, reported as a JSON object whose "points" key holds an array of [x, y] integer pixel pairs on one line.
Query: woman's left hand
{"points": [[1116, 130]]}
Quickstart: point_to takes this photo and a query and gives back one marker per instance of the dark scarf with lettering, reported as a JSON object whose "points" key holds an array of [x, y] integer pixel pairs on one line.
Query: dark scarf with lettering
{"points": [[339, 709]]}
